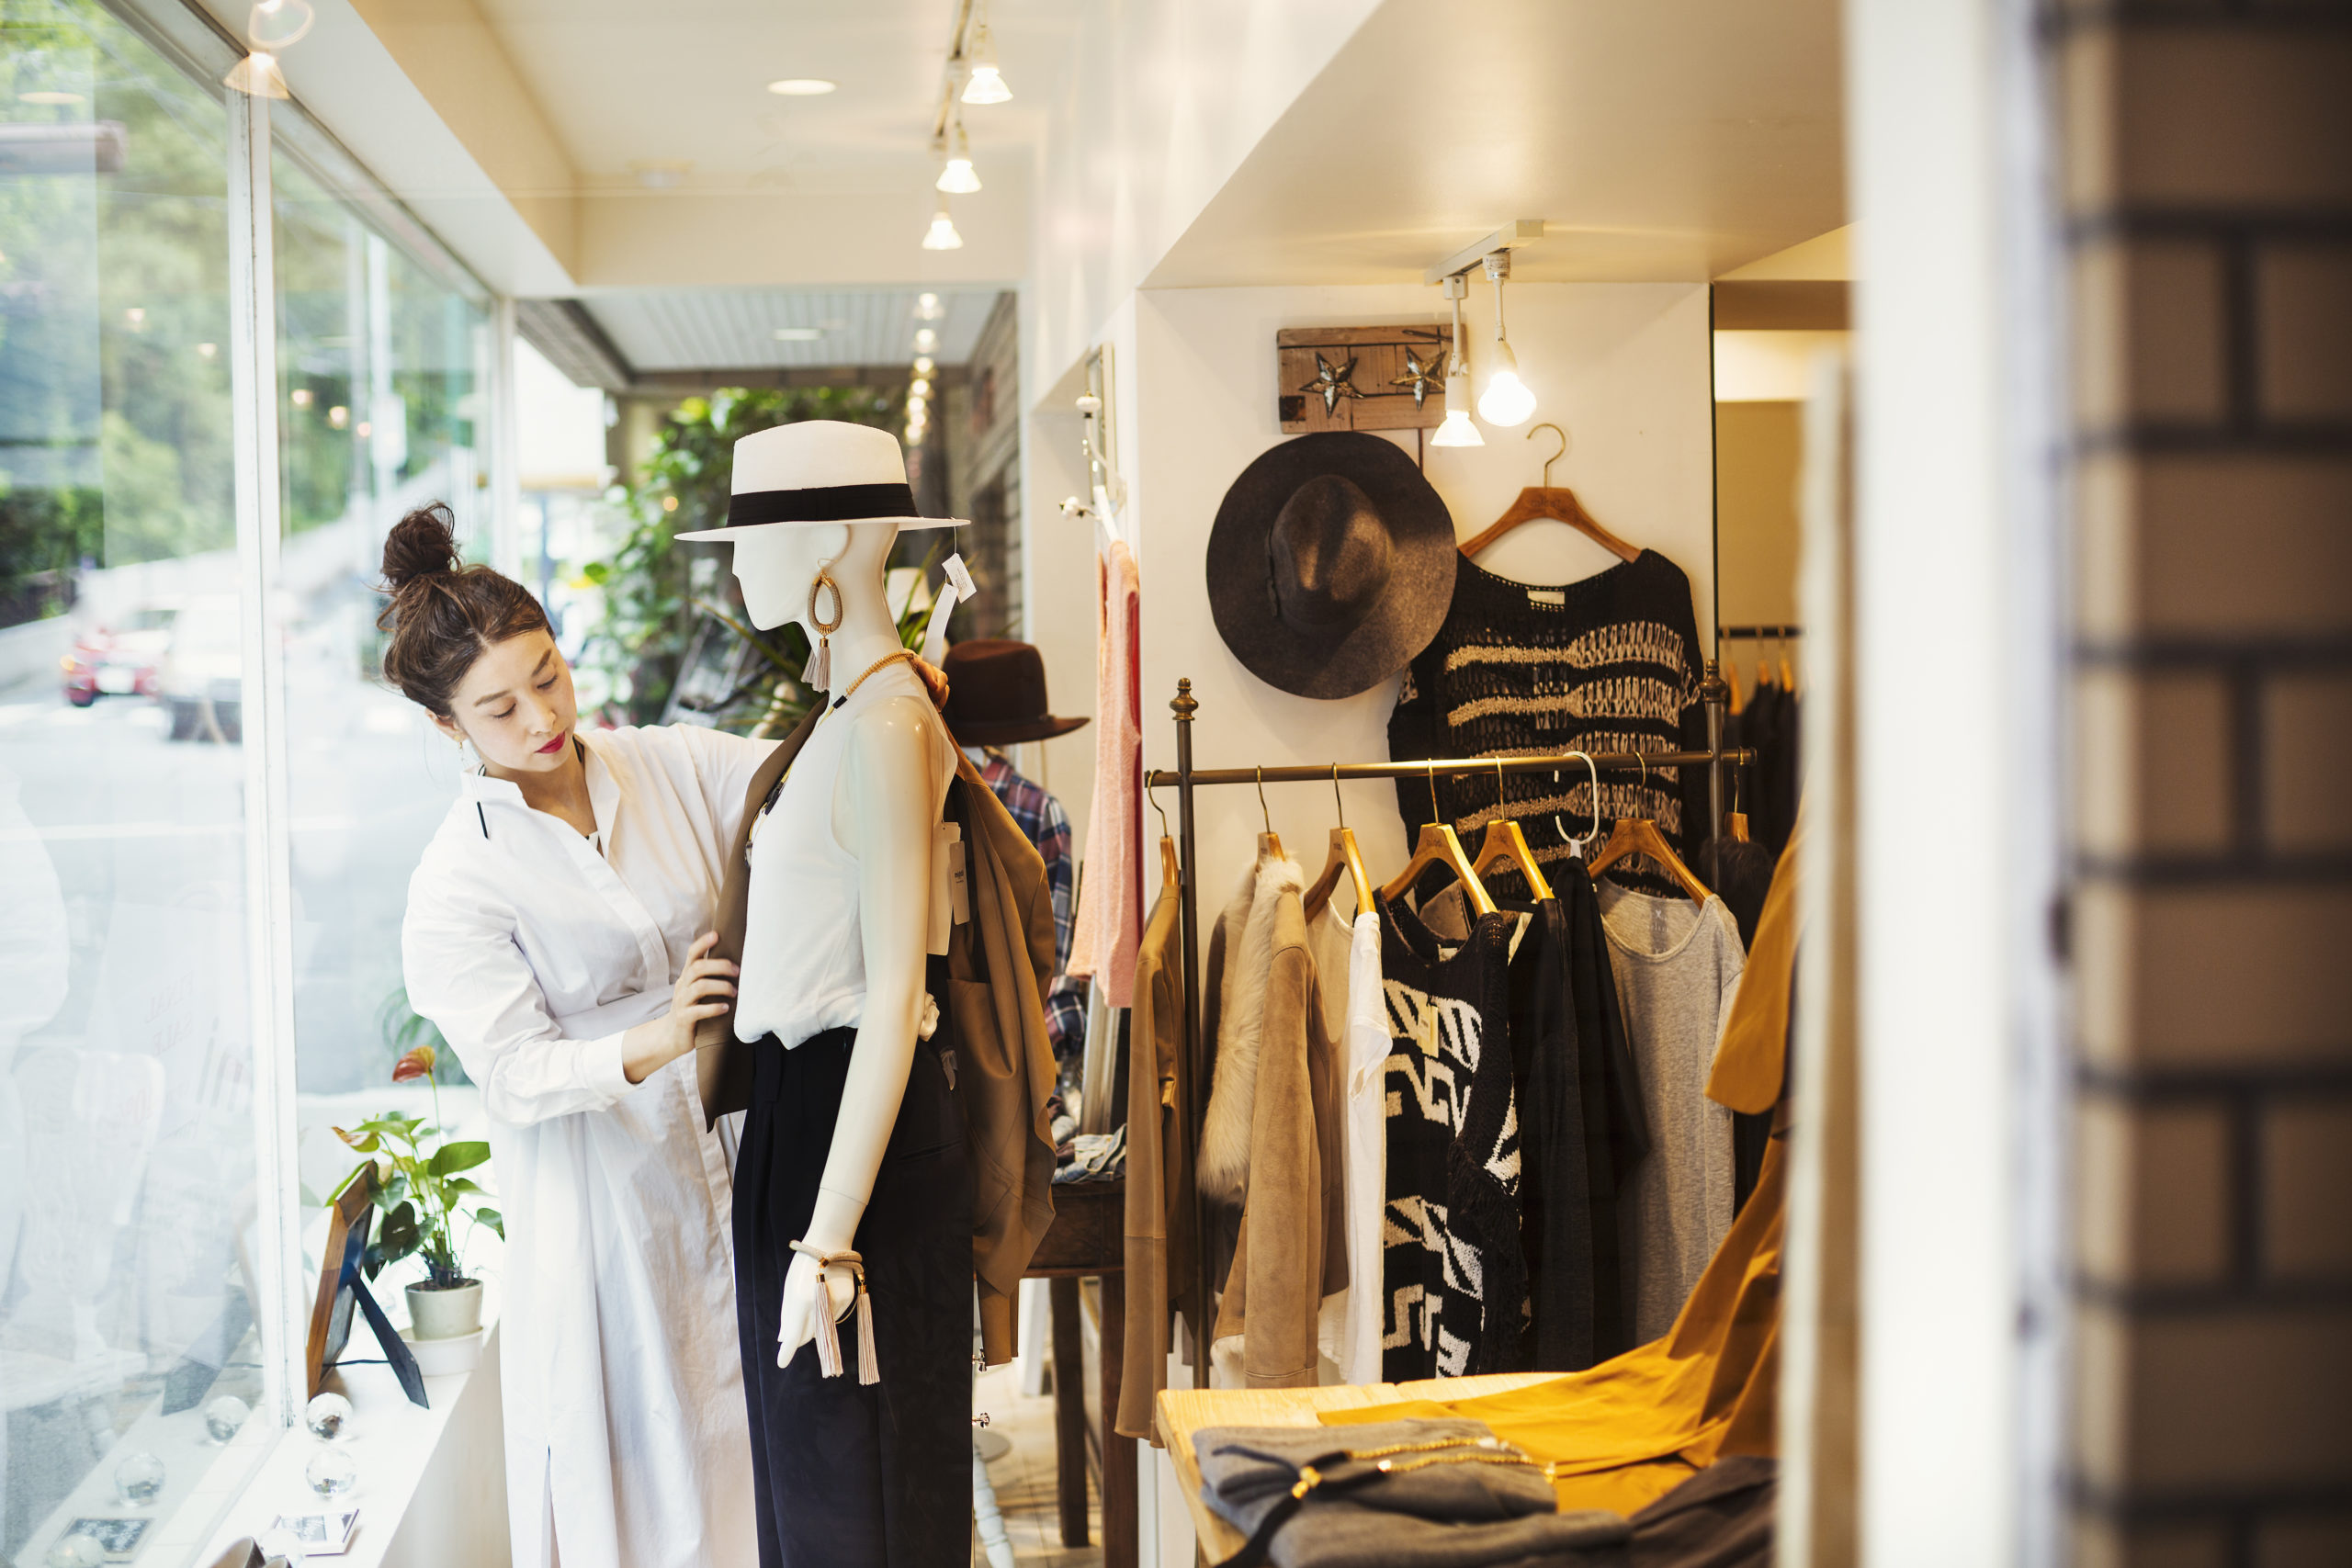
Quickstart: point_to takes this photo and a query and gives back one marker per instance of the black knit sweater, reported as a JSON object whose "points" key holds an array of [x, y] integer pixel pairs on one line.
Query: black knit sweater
{"points": [[1607, 663]]}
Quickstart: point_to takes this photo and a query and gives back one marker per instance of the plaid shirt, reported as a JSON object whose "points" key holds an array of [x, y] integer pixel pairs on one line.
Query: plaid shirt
{"points": [[1041, 818]]}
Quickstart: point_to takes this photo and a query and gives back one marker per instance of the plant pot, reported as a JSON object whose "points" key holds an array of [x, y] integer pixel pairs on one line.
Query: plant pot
{"points": [[450, 1312], [441, 1357]]}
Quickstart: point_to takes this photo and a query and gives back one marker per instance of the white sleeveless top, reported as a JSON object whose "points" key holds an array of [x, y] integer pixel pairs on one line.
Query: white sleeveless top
{"points": [[804, 948]]}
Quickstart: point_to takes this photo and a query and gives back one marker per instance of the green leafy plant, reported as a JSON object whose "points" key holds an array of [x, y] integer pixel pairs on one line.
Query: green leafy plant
{"points": [[421, 1188], [403, 1028], [649, 593]]}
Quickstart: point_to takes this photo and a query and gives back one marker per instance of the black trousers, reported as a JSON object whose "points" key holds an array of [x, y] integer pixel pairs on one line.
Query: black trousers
{"points": [[847, 1474]]}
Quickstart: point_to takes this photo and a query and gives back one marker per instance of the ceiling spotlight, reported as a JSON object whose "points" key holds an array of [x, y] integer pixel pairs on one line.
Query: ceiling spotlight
{"points": [[799, 334], [986, 83], [923, 366], [920, 386], [257, 75], [925, 340], [957, 176], [942, 235], [802, 88], [927, 308], [1506, 402], [1457, 430]]}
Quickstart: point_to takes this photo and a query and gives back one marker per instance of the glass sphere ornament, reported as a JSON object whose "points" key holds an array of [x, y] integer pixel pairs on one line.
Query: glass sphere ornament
{"points": [[331, 1472], [76, 1552], [327, 1416], [225, 1416], [139, 1478], [281, 1545]]}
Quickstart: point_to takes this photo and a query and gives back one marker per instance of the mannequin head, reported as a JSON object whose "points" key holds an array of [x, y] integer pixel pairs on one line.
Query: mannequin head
{"points": [[776, 567]]}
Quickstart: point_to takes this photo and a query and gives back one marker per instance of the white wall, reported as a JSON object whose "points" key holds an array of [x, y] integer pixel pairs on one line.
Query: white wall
{"points": [[1622, 367], [1163, 100]]}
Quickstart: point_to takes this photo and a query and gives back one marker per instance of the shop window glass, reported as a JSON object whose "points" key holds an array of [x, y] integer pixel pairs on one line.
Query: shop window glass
{"points": [[128, 1204], [383, 405]]}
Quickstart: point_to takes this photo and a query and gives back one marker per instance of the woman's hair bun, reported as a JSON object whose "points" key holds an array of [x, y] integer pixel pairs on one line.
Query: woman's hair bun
{"points": [[422, 544]]}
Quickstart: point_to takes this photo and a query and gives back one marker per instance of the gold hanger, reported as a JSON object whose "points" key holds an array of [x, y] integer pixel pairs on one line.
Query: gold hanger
{"points": [[1639, 836], [1270, 844], [1736, 820], [1506, 843], [1438, 845], [1171, 867], [1343, 856], [1556, 503]]}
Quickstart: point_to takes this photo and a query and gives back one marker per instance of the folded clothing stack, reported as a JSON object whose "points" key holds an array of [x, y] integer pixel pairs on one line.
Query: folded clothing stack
{"points": [[1422, 1494]]}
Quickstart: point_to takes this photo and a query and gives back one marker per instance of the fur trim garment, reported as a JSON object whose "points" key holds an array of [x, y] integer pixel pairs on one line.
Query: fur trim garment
{"points": [[1248, 929]]}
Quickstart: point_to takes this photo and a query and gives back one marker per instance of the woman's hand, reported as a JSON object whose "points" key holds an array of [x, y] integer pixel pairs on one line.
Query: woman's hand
{"points": [[704, 989], [795, 1319]]}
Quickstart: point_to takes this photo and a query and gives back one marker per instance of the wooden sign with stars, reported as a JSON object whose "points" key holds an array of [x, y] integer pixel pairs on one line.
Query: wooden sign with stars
{"points": [[1362, 377]]}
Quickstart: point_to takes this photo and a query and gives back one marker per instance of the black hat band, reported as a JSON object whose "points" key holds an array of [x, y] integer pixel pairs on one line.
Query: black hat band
{"points": [[820, 503]]}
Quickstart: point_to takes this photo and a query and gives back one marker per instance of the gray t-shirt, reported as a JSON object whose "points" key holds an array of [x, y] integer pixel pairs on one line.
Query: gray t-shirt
{"points": [[1677, 968]]}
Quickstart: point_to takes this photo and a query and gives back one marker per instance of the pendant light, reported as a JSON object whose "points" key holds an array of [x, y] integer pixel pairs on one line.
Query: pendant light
{"points": [[957, 178], [1506, 402], [986, 83], [942, 235], [1457, 430]]}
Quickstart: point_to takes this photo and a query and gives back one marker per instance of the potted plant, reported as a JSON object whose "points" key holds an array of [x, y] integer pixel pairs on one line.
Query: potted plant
{"points": [[421, 1194]]}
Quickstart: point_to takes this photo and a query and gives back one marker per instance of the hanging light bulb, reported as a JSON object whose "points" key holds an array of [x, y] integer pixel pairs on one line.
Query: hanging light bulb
{"points": [[957, 176], [1506, 402], [1457, 430], [986, 83], [942, 235], [258, 74]]}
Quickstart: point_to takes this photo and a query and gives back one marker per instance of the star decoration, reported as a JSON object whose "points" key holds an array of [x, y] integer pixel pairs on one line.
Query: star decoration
{"points": [[1332, 382], [1422, 377]]}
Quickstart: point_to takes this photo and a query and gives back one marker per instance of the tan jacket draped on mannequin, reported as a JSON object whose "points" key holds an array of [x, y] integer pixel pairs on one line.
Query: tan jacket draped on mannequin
{"points": [[999, 963]]}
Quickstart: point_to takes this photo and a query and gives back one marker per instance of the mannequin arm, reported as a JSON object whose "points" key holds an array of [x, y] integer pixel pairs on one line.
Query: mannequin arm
{"points": [[882, 815]]}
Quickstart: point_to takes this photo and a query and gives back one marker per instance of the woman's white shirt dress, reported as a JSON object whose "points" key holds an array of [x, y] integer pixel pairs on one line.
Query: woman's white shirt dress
{"points": [[532, 952]]}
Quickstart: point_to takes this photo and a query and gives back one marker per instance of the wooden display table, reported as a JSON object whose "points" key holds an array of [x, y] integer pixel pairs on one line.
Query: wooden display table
{"points": [[1089, 1237], [1181, 1412]]}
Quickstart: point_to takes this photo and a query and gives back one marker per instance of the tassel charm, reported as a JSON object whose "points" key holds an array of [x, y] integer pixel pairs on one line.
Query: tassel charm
{"points": [[818, 675], [827, 1332]]}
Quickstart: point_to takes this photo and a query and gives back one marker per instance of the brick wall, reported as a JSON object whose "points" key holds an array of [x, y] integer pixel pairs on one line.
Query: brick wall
{"points": [[2207, 179]]}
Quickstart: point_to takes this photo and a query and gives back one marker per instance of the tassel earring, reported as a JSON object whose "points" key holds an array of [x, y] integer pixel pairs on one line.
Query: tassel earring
{"points": [[818, 676]]}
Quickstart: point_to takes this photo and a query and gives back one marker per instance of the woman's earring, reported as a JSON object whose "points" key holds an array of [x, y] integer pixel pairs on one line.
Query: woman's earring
{"points": [[819, 673], [468, 758]]}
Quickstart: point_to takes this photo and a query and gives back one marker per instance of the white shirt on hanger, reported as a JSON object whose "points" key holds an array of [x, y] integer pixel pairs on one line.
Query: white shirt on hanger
{"points": [[1347, 960], [533, 953]]}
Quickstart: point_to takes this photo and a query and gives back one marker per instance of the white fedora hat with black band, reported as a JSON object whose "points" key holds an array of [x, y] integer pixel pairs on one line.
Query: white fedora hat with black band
{"points": [[819, 470]]}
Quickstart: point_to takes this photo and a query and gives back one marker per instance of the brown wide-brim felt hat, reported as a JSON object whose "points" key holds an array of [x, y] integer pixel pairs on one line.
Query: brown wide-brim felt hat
{"points": [[996, 694], [1330, 564]]}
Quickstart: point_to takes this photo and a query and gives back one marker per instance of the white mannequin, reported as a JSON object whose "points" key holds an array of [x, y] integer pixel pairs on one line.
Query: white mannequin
{"points": [[883, 816]]}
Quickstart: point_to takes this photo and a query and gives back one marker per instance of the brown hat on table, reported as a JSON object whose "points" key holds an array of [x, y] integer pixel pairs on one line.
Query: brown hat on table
{"points": [[996, 694]]}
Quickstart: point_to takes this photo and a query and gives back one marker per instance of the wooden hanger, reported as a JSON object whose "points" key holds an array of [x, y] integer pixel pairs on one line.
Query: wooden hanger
{"points": [[1344, 855], [1171, 865], [1731, 679], [1558, 503], [1505, 844], [1639, 836], [1270, 844], [1438, 846]]}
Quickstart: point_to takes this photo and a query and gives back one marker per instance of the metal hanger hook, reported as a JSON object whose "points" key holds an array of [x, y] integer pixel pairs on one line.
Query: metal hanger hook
{"points": [[1263, 812], [1556, 457], [1338, 799], [1164, 830], [1502, 797]]}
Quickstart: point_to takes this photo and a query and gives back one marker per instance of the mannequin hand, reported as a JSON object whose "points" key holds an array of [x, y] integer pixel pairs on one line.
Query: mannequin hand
{"points": [[934, 681], [797, 1321]]}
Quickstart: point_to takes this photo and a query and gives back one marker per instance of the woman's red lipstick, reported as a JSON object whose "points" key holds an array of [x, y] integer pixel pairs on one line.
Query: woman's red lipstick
{"points": [[553, 747]]}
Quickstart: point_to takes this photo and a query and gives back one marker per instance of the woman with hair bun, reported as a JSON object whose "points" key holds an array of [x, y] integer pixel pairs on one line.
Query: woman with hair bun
{"points": [[557, 935]]}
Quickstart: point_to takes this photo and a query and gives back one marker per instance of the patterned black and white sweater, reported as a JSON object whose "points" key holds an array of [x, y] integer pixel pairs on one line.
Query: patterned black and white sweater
{"points": [[1610, 662], [1453, 1278]]}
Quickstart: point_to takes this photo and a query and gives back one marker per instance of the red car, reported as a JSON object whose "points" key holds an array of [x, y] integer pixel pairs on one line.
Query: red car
{"points": [[108, 662]]}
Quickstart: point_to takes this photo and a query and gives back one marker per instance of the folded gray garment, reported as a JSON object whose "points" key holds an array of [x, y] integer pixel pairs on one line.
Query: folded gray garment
{"points": [[1460, 1514]]}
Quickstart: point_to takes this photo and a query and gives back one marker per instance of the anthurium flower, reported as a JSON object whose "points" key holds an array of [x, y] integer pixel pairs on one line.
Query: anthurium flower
{"points": [[416, 1062]]}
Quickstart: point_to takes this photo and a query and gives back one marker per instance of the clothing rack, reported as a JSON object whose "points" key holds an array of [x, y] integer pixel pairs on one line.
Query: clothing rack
{"points": [[1201, 1291]]}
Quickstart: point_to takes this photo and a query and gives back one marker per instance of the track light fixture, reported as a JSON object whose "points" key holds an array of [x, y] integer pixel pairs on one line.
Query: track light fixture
{"points": [[957, 178], [1506, 402], [1457, 430], [984, 83], [942, 235]]}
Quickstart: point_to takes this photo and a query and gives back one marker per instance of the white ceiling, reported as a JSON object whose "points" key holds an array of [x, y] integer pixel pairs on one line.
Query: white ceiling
{"points": [[716, 329], [623, 83], [1663, 140]]}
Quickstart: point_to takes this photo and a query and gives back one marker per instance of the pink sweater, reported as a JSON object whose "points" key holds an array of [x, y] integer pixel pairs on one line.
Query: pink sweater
{"points": [[1110, 894]]}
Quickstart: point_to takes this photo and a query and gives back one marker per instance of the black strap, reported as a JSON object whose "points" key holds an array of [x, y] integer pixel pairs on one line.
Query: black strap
{"points": [[1255, 1551], [820, 503]]}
